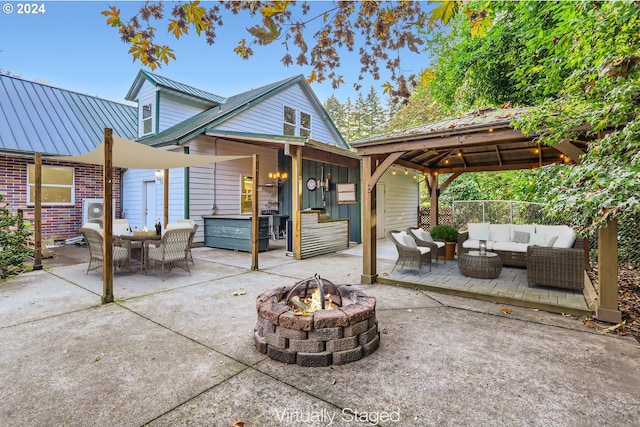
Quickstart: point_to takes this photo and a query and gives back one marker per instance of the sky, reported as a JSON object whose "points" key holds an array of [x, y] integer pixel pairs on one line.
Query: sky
{"points": [[68, 45]]}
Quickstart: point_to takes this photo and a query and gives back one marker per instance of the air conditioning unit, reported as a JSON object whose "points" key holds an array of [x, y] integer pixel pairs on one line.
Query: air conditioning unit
{"points": [[93, 211]]}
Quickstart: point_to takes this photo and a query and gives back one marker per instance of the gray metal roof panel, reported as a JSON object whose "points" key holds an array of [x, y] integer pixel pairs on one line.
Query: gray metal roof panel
{"points": [[36, 117], [183, 88]]}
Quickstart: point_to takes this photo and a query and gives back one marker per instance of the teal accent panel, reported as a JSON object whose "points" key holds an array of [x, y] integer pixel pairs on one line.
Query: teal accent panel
{"points": [[235, 233]]}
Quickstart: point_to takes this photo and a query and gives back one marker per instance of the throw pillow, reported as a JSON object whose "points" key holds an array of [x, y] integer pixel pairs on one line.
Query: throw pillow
{"points": [[409, 241], [537, 239], [521, 237], [552, 240]]}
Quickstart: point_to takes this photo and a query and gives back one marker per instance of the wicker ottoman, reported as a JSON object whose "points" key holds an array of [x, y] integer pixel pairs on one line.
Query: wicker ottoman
{"points": [[472, 264]]}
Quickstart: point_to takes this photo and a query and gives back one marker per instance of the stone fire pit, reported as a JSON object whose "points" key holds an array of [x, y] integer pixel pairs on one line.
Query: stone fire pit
{"points": [[293, 329]]}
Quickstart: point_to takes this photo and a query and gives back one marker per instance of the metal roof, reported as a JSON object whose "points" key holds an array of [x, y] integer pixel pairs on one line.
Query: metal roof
{"points": [[39, 118], [172, 85]]}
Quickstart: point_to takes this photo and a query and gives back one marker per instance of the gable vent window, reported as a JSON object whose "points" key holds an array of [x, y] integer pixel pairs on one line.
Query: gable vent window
{"points": [[147, 119], [296, 123]]}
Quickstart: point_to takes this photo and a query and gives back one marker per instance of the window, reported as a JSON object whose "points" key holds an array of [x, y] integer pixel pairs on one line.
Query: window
{"points": [[246, 195], [305, 124], [294, 127], [57, 185], [289, 121], [147, 119]]}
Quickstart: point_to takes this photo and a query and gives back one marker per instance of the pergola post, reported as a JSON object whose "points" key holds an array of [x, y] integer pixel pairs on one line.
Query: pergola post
{"points": [[165, 207], [608, 273], [107, 226], [434, 208], [369, 223], [37, 213]]}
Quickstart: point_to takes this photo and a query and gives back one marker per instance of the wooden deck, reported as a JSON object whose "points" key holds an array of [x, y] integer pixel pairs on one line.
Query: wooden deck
{"points": [[510, 288]]}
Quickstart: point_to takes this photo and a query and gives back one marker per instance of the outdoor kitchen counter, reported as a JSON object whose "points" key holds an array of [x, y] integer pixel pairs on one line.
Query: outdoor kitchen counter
{"points": [[234, 232]]}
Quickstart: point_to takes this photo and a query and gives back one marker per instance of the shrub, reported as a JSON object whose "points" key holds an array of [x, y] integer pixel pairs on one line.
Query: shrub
{"points": [[444, 232], [13, 235]]}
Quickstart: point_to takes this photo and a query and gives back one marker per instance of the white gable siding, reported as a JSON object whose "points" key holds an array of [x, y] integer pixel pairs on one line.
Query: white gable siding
{"points": [[147, 95], [401, 200], [267, 116], [175, 109]]}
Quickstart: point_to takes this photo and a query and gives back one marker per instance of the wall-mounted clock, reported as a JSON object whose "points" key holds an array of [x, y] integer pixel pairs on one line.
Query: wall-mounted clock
{"points": [[312, 184]]}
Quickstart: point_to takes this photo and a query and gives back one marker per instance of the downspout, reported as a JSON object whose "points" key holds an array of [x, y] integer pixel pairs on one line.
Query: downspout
{"points": [[187, 200]]}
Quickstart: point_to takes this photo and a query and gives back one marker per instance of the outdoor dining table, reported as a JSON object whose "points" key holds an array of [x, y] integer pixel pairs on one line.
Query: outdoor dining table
{"points": [[141, 238]]}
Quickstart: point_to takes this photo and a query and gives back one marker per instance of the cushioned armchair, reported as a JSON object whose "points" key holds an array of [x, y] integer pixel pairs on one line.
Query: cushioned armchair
{"points": [[172, 251], [409, 253], [423, 238]]}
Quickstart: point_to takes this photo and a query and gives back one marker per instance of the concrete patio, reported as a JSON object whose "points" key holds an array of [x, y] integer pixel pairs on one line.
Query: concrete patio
{"points": [[180, 352]]}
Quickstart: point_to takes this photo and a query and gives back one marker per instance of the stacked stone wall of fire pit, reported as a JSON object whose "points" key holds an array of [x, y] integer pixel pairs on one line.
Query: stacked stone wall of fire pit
{"points": [[322, 338]]}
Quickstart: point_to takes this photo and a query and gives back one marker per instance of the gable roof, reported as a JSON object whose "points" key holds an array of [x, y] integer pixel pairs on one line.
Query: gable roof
{"points": [[35, 117], [172, 86], [232, 106]]}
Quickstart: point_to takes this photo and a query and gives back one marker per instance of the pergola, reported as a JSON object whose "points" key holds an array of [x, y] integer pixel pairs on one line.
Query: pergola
{"points": [[481, 141]]}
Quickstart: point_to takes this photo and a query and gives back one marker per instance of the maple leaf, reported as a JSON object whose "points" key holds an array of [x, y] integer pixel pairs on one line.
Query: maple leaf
{"points": [[266, 35], [177, 28], [113, 16], [275, 9], [443, 13], [312, 77], [387, 87]]}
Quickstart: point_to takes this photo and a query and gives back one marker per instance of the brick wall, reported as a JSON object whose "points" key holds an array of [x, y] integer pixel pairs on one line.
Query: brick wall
{"points": [[58, 222]]}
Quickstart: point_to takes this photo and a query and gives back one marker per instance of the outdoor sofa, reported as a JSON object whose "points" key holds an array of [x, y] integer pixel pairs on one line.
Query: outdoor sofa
{"points": [[552, 254]]}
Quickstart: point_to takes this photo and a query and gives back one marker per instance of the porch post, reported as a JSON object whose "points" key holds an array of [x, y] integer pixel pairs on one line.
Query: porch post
{"points": [[608, 273], [254, 216], [165, 207], [369, 256], [296, 198], [433, 211]]}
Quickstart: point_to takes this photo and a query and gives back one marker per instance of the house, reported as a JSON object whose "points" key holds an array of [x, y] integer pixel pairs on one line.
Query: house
{"points": [[267, 121], [36, 117], [283, 122]]}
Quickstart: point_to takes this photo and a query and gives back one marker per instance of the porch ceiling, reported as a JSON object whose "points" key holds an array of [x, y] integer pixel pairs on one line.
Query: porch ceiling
{"points": [[483, 140]]}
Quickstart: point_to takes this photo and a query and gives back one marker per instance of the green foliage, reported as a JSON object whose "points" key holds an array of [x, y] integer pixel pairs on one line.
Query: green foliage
{"points": [[13, 234], [577, 63], [444, 232]]}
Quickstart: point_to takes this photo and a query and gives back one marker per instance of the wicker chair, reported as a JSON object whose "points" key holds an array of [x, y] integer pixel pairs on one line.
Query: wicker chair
{"points": [[556, 267], [438, 249], [193, 225], [172, 251], [121, 250], [409, 255]]}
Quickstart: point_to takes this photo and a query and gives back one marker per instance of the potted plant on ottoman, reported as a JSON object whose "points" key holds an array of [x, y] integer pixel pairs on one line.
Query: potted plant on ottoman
{"points": [[448, 234]]}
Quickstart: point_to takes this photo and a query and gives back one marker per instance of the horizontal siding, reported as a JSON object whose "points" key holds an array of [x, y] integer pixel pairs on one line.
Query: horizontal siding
{"points": [[402, 197], [219, 184], [267, 116], [174, 109], [317, 238]]}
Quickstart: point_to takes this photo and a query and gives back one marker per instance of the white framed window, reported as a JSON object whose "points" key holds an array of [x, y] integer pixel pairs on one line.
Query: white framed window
{"points": [[57, 185], [296, 123], [146, 119], [246, 195]]}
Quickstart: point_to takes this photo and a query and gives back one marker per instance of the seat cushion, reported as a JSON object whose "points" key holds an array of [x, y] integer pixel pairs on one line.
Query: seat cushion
{"points": [[510, 247], [475, 244]]}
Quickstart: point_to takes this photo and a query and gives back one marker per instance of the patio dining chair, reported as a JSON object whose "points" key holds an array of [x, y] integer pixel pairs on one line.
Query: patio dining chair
{"points": [[169, 252], [409, 253], [193, 225], [95, 241]]}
